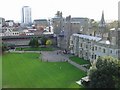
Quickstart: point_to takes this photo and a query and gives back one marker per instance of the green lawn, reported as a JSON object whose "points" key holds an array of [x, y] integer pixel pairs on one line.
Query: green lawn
{"points": [[0, 71], [27, 71], [36, 49], [79, 60]]}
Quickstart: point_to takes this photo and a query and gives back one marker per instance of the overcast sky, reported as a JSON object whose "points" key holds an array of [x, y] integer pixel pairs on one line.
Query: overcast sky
{"points": [[11, 9]]}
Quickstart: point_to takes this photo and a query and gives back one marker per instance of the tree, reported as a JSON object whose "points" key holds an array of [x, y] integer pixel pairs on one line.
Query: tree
{"points": [[105, 73], [4, 47], [43, 40], [34, 42], [113, 24], [48, 42]]}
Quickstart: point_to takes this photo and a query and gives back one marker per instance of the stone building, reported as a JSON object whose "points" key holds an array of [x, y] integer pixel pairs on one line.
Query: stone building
{"points": [[40, 24], [65, 27], [91, 47], [102, 43], [58, 23], [2, 23]]}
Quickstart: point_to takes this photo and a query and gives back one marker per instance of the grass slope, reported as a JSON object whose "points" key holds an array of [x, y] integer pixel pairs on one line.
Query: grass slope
{"points": [[79, 60], [0, 71], [27, 71]]}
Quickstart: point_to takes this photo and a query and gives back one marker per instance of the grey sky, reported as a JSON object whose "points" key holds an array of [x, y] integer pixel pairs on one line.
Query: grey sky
{"points": [[11, 9]]}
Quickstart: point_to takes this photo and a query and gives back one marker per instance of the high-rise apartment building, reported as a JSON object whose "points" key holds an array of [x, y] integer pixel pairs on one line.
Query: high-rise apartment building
{"points": [[119, 14], [26, 15]]}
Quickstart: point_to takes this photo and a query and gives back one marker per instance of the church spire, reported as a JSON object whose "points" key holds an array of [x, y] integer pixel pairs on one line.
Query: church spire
{"points": [[102, 26], [102, 22], [102, 19]]}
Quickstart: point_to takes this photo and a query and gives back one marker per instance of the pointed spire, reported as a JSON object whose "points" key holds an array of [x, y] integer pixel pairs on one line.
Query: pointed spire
{"points": [[102, 22], [102, 26], [102, 19]]}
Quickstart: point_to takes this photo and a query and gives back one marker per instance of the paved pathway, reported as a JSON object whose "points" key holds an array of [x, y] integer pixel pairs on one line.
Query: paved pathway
{"points": [[24, 51], [54, 56], [78, 66]]}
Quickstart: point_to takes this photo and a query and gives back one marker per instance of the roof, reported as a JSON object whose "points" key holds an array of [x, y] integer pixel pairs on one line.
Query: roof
{"points": [[105, 42], [88, 37], [75, 21], [79, 18], [112, 29], [86, 78], [40, 20], [118, 29]]}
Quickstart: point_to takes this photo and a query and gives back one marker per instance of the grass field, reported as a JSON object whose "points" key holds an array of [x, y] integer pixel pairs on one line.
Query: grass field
{"points": [[27, 71], [36, 49], [79, 60], [0, 71]]}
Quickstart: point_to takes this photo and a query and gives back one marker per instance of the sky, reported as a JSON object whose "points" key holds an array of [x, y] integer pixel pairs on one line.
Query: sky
{"points": [[11, 9]]}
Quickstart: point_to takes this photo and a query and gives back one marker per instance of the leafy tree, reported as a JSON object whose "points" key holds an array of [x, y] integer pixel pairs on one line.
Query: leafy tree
{"points": [[105, 73], [43, 40], [113, 24], [31, 43], [34, 42], [48, 42], [4, 47]]}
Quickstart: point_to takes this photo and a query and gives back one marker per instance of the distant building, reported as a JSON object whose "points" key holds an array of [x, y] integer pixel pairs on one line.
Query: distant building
{"points": [[119, 14], [40, 23], [9, 23], [101, 27], [103, 43], [58, 23], [91, 47], [10, 32], [2, 23], [65, 27], [26, 15]]}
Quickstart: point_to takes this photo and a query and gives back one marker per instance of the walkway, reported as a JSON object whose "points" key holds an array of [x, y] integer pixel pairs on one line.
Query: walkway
{"points": [[52, 56], [23, 51], [78, 66]]}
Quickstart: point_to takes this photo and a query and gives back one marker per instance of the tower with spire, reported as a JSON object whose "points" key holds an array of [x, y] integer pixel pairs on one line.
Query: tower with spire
{"points": [[102, 26]]}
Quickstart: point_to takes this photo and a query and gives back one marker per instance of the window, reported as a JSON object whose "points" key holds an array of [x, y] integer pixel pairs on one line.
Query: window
{"points": [[71, 42], [110, 51], [95, 56], [96, 48], [81, 45], [92, 48], [116, 52], [99, 47], [92, 56], [86, 46], [103, 50]]}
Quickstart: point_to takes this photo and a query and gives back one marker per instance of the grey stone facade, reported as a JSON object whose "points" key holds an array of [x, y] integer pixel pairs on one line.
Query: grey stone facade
{"points": [[102, 43], [65, 27]]}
